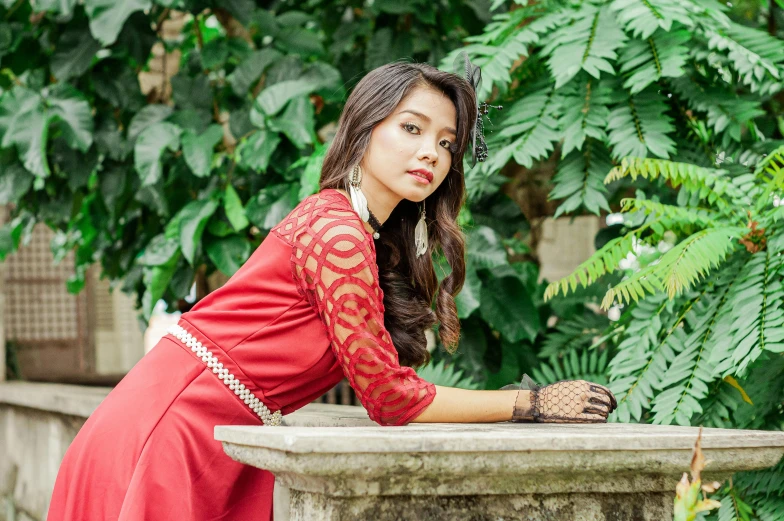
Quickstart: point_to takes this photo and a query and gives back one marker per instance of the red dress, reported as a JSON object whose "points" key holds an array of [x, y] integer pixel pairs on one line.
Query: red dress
{"points": [[302, 313]]}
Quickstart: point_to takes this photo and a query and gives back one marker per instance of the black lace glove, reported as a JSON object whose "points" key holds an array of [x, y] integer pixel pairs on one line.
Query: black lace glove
{"points": [[568, 401]]}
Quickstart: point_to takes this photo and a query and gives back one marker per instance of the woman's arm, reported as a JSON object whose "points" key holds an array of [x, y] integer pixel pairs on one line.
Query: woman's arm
{"points": [[453, 405]]}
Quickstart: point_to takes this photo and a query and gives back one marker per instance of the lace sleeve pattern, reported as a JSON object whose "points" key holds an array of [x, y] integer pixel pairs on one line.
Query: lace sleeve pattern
{"points": [[334, 264]]}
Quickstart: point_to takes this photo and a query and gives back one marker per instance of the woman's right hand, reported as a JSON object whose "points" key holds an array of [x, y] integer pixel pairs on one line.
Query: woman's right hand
{"points": [[568, 401]]}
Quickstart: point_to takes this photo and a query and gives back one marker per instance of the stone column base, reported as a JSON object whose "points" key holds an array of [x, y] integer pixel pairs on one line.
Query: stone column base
{"points": [[652, 506]]}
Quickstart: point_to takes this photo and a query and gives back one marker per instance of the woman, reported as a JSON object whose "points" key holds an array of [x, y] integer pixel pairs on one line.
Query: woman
{"points": [[306, 310]]}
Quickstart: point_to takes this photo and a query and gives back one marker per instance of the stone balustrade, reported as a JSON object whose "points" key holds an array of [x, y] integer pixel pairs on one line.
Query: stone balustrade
{"points": [[337, 465]]}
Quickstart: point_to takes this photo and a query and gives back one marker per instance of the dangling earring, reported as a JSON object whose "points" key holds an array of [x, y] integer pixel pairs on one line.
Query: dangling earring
{"points": [[420, 234], [358, 199]]}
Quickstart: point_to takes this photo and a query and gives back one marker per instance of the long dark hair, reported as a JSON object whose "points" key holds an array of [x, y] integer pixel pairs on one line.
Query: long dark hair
{"points": [[410, 283]]}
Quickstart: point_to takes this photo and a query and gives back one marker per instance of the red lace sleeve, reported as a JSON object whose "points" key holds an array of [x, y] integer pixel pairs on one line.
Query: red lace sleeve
{"points": [[335, 266]]}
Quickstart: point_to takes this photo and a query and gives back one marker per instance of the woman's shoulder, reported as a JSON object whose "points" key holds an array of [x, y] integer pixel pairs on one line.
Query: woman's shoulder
{"points": [[327, 214]]}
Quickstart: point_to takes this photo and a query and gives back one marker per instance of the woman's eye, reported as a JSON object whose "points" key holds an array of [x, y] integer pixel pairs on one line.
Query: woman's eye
{"points": [[413, 129]]}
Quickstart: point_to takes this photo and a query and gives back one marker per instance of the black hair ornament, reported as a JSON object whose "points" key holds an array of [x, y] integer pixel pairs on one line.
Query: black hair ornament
{"points": [[473, 74]]}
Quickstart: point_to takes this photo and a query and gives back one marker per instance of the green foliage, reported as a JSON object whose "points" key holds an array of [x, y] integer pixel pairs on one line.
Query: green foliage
{"points": [[439, 373], [703, 338], [587, 83], [163, 186]]}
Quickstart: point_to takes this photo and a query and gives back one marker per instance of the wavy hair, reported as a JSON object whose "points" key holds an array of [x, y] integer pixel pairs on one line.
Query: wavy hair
{"points": [[409, 283]]}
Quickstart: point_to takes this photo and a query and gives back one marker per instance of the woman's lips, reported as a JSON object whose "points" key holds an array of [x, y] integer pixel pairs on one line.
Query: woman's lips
{"points": [[421, 176]]}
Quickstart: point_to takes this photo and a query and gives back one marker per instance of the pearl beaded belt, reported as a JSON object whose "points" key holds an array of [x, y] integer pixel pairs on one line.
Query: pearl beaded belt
{"points": [[231, 382]]}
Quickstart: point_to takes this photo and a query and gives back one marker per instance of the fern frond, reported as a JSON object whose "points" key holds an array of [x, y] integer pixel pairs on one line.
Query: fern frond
{"points": [[679, 268], [532, 125], [757, 321], [686, 381], [585, 103], [588, 43], [754, 54], [771, 169], [601, 262], [671, 215], [588, 365], [662, 55], [579, 180], [642, 358], [710, 184], [438, 373], [643, 17], [573, 334], [733, 508], [640, 125]]}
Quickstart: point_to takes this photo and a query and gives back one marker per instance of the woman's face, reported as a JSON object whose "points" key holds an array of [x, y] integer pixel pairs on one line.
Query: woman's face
{"points": [[418, 136]]}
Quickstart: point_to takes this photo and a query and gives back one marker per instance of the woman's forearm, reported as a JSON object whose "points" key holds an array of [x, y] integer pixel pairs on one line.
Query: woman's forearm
{"points": [[453, 405]]}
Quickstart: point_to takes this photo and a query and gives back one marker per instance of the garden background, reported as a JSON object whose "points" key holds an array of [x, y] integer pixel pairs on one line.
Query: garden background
{"points": [[670, 110]]}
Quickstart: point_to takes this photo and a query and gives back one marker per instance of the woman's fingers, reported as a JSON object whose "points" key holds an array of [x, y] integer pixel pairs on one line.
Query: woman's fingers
{"points": [[603, 401], [602, 389], [601, 408]]}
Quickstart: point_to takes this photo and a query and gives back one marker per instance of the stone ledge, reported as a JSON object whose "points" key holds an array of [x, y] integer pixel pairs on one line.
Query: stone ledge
{"points": [[329, 415], [493, 459], [505, 437], [73, 400]]}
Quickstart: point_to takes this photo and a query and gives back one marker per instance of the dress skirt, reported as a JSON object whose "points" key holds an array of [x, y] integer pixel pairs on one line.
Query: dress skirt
{"points": [[148, 452]]}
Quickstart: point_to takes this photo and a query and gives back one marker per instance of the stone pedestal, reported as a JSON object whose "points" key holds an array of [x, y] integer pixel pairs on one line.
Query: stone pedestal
{"points": [[530, 472]]}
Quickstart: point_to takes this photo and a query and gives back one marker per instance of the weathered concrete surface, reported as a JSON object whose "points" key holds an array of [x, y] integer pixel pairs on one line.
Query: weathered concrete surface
{"points": [[37, 424], [306, 506], [38, 421], [531, 472]]}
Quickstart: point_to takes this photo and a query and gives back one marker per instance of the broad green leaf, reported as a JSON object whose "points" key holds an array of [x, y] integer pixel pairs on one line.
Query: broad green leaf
{"points": [[25, 125], [229, 254], [311, 175], [232, 205], [251, 69], [115, 82], [240, 9], [274, 98], [113, 181], [271, 205], [300, 40], [255, 151], [69, 106], [484, 248], [160, 250], [193, 219], [74, 54], [508, 308], [63, 7], [156, 279], [472, 348], [198, 149], [148, 116], [214, 53], [149, 148], [15, 181], [297, 122], [107, 17], [469, 298]]}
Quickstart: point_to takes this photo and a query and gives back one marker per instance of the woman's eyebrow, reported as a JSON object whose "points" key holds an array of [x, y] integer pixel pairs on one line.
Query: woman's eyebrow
{"points": [[414, 112]]}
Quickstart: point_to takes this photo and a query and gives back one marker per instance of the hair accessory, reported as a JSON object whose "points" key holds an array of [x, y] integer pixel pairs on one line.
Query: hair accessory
{"points": [[473, 74], [420, 234]]}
